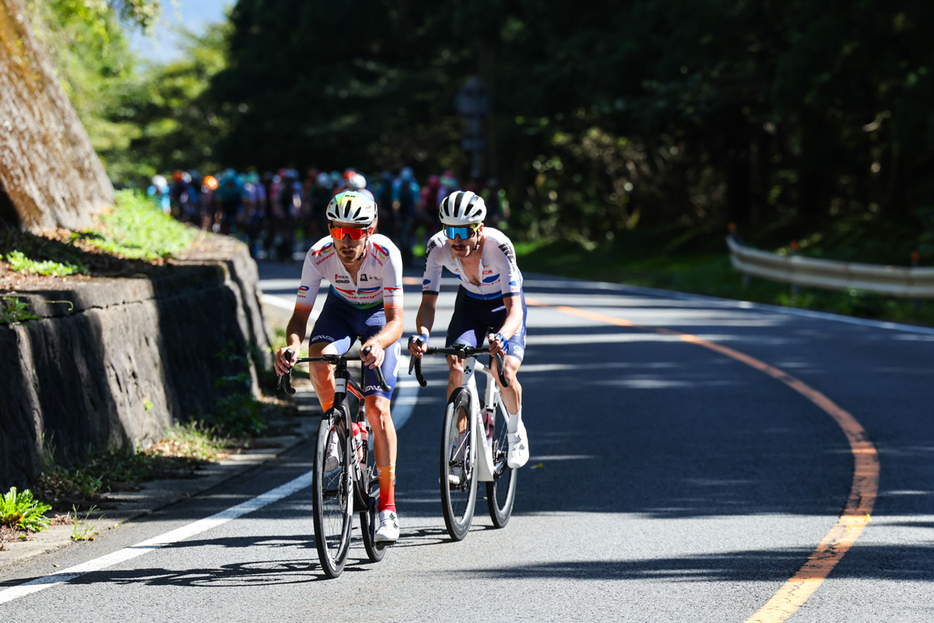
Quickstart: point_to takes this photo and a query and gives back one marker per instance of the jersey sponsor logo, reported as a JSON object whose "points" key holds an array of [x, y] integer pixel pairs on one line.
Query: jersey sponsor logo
{"points": [[363, 278], [368, 290], [381, 250], [426, 282], [392, 288], [323, 250], [372, 388], [508, 252], [492, 279], [488, 272], [431, 245], [303, 288], [339, 279]]}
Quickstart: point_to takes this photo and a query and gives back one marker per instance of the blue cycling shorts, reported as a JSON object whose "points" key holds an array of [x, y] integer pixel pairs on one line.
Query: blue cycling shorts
{"points": [[340, 323], [474, 316]]}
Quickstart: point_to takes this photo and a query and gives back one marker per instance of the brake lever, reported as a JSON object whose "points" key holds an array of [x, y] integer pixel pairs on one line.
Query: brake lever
{"points": [[285, 380]]}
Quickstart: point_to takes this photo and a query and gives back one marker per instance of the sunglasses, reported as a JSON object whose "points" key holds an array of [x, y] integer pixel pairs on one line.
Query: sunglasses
{"points": [[464, 232], [355, 233]]}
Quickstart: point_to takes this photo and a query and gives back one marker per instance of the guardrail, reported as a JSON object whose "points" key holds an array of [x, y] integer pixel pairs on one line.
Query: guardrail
{"points": [[895, 281]]}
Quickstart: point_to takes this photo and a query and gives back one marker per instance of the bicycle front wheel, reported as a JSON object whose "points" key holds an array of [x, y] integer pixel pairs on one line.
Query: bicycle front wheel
{"points": [[333, 495], [501, 492], [458, 461]]}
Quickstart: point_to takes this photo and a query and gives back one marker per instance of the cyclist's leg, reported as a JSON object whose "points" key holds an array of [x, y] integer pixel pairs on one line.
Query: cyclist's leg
{"points": [[384, 432], [332, 334], [512, 395]]}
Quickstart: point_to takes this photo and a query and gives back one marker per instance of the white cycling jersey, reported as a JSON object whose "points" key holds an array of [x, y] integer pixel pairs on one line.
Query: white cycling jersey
{"points": [[499, 273], [379, 280]]}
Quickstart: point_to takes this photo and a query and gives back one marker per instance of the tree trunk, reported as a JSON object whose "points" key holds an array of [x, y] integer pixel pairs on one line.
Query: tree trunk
{"points": [[50, 175]]}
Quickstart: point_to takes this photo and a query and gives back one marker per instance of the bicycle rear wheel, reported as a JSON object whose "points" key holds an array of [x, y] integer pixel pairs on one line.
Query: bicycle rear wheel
{"points": [[333, 496], [501, 493], [458, 460]]}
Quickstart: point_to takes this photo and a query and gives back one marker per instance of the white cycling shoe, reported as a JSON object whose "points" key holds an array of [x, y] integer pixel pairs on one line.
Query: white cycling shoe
{"points": [[388, 531], [332, 459], [518, 448]]}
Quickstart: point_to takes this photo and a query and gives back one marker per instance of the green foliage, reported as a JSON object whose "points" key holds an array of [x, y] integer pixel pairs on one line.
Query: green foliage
{"points": [[82, 529], [194, 439], [136, 230], [236, 413], [176, 124], [14, 309], [21, 510], [19, 262], [102, 472], [694, 260]]}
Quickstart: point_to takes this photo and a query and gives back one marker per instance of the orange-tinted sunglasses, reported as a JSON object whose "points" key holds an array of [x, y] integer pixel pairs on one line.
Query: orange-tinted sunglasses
{"points": [[355, 233]]}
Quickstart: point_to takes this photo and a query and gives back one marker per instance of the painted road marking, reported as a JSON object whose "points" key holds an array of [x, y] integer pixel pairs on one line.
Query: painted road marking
{"points": [[856, 514], [173, 536]]}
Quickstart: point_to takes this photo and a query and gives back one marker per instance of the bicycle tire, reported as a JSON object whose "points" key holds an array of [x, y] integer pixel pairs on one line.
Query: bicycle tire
{"points": [[332, 497], [369, 516], [458, 466], [501, 492]]}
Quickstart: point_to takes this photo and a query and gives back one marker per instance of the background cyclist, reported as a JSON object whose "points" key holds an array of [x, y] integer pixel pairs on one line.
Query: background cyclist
{"points": [[364, 270], [490, 295]]}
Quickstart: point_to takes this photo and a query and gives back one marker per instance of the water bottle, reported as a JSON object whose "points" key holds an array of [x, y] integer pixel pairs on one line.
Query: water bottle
{"points": [[489, 420], [359, 434]]}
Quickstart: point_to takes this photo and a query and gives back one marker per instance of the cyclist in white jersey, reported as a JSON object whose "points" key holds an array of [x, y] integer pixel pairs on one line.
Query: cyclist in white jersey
{"points": [[364, 270], [490, 295]]}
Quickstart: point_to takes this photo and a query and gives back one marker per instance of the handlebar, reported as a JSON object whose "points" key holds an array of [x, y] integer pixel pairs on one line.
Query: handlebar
{"points": [[461, 351], [285, 380]]}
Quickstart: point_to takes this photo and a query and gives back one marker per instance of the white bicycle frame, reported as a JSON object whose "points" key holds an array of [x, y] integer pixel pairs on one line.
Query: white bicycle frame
{"points": [[483, 418]]}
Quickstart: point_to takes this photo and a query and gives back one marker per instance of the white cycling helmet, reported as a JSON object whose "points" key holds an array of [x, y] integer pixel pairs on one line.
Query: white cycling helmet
{"points": [[462, 208], [352, 207]]}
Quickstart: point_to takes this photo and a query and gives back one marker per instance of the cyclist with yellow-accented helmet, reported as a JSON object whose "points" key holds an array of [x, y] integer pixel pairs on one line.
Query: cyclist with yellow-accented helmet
{"points": [[364, 270]]}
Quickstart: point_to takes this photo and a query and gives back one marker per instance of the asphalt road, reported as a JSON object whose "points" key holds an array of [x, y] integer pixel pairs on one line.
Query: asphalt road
{"points": [[668, 482]]}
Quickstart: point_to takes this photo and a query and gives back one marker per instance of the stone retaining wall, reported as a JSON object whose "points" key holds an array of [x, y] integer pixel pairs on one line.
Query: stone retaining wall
{"points": [[115, 361]]}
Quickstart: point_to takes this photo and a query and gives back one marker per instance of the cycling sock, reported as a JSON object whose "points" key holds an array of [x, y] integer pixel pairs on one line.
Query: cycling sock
{"points": [[387, 487], [326, 405], [512, 425]]}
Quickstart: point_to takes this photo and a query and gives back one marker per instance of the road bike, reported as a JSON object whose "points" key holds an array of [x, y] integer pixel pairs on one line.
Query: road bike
{"points": [[353, 484], [474, 444]]}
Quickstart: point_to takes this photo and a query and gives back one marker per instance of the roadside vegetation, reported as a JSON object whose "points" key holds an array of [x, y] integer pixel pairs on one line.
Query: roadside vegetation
{"points": [[696, 260]]}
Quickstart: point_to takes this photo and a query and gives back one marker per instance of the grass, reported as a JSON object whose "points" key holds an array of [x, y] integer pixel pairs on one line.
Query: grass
{"points": [[82, 529], [19, 262], [696, 260], [136, 230], [19, 509], [132, 230]]}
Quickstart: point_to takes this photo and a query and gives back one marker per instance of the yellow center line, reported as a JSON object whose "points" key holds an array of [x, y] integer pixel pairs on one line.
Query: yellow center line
{"points": [[863, 491]]}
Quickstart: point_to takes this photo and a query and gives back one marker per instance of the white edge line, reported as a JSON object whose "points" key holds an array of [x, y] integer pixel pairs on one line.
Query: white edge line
{"points": [[173, 536]]}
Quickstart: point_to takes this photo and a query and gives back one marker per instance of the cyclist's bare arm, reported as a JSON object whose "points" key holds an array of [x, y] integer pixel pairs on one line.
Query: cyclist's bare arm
{"points": [[294, 336], [387, 336], [512, 323], [424, 320]]}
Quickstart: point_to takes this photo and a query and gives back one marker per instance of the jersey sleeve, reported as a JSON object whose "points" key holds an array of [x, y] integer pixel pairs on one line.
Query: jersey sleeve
{"points": [[431, 282], [392, 279], [308, 289], [506, 262]]}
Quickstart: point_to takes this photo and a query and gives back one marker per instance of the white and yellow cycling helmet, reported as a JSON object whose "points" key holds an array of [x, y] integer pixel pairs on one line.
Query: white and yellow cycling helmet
{"points": [[352, 207]]}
